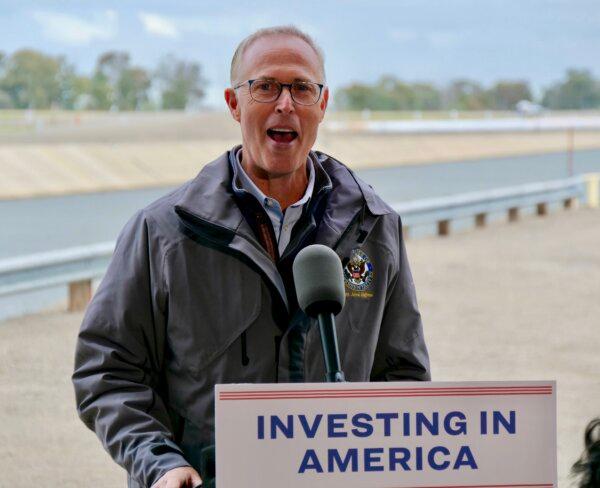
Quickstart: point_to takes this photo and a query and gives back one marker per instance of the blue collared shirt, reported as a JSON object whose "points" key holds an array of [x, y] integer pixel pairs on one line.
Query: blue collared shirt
{"points": [[283, 222]]}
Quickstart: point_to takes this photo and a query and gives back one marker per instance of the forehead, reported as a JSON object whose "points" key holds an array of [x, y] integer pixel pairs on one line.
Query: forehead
{"points": [[280, 55]]}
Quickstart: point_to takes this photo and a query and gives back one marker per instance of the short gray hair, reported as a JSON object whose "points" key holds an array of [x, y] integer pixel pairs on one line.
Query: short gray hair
{"points": [[290, 30]]}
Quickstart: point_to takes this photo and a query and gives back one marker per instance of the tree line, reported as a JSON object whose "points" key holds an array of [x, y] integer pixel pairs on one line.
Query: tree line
{"points": [[577, 90], [32, 79]]}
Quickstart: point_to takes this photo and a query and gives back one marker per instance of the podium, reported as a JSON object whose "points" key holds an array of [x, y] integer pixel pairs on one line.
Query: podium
{"points": [[388, 435]]}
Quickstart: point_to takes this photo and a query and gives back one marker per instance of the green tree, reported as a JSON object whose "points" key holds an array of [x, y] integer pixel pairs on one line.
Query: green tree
{"points": [[504, 95], [78, 92], [109, 67], [101, 93], [181, 83], [466, 95], [111, 64], [32, 80], [74, 88], [132, 88], [426, 97], [117, 84], [5, 101], [356, 96], [388, 93], [394, 94], [579, 90]]}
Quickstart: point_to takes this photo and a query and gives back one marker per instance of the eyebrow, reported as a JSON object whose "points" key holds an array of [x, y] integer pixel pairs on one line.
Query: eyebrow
{"points": [[270, 78]]}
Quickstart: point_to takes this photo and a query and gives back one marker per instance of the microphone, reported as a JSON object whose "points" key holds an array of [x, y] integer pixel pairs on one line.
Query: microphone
{"points": [[319, 282]]}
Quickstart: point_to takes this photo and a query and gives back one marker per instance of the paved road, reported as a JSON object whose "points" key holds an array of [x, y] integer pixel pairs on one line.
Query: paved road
{"points": [[513, 302]]}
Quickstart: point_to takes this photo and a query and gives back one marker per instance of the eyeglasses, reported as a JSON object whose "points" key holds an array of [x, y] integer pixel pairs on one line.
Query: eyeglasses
{"points": [[265, 91]]}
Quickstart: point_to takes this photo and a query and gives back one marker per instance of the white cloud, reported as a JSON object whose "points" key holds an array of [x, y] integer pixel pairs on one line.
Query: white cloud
{"points": [[435, 39], [209, 25], [216, 25], [158, 25], [403, 35], [75, 30], [443, 39]]}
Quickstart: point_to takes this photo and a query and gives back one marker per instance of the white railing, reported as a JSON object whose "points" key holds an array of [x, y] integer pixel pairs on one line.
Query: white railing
{"points": [[511, 124]]}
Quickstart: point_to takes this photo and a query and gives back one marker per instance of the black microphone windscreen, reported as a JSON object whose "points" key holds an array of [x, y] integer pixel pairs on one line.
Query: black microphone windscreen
{"points": [[319, 280]]}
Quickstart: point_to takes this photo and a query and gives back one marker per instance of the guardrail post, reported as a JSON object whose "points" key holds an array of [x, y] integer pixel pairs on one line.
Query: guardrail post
{"points": [[443, 227], [592, 185], [513, 214], [480, 219], [80, 294], [405, 232], [542, 209]]}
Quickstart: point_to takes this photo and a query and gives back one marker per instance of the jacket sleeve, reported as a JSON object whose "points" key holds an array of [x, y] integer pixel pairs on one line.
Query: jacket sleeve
{"points": [[401, 352], [118, 359]]}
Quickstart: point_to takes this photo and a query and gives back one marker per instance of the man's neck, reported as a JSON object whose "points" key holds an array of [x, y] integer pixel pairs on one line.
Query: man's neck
{"points": [[287, 189]]}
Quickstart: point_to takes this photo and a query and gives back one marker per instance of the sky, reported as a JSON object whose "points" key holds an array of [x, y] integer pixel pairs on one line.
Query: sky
{"points": [[420, 40]]}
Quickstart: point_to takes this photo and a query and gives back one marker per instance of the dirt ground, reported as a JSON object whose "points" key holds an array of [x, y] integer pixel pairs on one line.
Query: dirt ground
{"points": [[509, 302]]}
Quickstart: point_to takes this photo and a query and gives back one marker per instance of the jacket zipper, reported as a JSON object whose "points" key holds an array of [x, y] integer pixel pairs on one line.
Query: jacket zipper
{"points": [[245, 358], [225, 248]]}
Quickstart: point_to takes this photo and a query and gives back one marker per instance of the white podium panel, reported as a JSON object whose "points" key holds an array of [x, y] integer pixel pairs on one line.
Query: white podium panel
{"points": [[388, 435]]}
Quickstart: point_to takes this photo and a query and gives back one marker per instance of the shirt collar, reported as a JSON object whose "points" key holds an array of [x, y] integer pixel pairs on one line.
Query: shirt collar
{"points": [[242, 182]]}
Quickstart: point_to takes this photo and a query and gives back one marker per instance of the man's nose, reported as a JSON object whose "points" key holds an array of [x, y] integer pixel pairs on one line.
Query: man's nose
{"points": [[285, 103]]}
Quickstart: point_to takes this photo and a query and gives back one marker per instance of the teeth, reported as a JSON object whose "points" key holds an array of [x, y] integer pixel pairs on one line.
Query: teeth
{"points": [[281, 130]]}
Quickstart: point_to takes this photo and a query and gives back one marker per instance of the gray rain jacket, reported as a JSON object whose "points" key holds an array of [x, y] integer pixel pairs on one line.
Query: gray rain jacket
{"points": [[192, 299]]}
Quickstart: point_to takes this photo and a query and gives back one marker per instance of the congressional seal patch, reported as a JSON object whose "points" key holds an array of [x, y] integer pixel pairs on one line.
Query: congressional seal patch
{"points": [[358, 275]]}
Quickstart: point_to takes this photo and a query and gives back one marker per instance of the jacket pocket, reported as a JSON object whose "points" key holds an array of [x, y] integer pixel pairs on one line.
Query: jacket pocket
{"points": [[213, 299]]}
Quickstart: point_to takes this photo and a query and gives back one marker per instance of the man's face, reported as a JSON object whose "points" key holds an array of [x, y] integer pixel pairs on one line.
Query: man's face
{"points": [[286, 59]]}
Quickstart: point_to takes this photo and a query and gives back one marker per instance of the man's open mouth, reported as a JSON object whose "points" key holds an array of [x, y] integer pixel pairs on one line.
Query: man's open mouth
{"points": [[282, 135]]}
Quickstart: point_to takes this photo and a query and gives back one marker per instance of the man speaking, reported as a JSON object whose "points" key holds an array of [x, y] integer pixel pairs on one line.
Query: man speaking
{"points": [[200, 288]]}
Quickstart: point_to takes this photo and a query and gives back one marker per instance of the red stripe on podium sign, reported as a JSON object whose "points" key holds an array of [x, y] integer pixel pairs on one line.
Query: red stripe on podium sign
{"points": [[523, 485], [454, 389], [384, 393]]}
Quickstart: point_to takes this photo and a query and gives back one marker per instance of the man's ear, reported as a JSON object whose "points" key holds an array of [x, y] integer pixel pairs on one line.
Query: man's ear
{"points": [[324, 101], [232, 103]]}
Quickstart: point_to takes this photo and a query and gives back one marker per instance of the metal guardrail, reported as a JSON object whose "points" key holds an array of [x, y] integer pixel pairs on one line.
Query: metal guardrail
{"points": [[78, 266], [479, 204], [75, 266]]}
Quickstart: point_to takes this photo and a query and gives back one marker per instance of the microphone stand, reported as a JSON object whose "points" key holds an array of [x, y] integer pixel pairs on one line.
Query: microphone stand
{"points": [[331, 352]]}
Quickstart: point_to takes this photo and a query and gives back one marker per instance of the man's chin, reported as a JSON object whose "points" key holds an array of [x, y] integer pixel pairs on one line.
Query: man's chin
{"points": [[281, 165]]}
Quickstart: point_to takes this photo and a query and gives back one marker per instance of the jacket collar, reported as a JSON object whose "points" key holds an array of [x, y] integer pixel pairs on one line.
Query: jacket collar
{"points": [[344, 177], [352, 205], [209, 195], [209, 199], [351, 200]]}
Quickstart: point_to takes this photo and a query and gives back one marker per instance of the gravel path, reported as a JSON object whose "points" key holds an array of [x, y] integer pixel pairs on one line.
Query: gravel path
{"points": [[510, 302], [519, 302]]}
